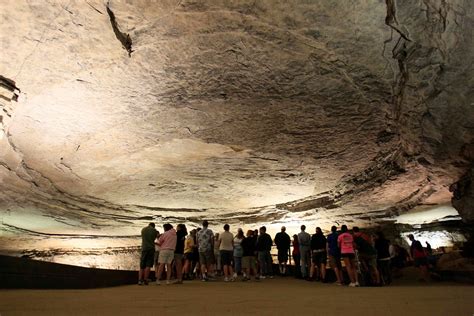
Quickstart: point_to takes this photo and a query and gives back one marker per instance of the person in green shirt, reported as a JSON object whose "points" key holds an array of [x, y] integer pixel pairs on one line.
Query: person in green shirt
{"points": [[149, 234]]}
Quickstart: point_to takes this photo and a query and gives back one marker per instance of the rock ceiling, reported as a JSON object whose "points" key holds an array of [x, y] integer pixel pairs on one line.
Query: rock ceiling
{"points": [[117, 113]]}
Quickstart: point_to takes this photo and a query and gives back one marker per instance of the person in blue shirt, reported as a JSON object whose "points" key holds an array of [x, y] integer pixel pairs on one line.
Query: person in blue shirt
{"points": [[334, 254]]}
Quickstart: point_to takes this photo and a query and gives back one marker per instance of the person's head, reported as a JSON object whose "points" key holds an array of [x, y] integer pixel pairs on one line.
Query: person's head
{"points": [[318, 231], [355, 229], [192, 232], [255, 232], [226, 227], [240, 233], [182, 227], [167, 227], [249, 233], [380, 235], [411, 237], [263, 229], [152, 225], [303, 228], [216, 236], [283, 229], [334, 229], [205, 223], [295, 237], [344, 228]]}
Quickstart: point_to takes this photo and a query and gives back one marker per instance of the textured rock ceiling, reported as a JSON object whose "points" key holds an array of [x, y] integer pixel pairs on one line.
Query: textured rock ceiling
{"points": [[244, 111]]}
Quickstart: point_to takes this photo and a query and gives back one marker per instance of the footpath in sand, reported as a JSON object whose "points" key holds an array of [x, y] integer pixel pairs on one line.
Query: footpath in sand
{"points": [[279, 296]]}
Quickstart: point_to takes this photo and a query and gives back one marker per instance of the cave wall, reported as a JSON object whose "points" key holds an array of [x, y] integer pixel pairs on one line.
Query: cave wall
{"points": [[330, 104]]}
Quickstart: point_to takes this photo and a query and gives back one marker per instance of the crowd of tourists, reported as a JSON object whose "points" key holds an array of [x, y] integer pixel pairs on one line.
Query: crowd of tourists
{"points": [[202, 254]]}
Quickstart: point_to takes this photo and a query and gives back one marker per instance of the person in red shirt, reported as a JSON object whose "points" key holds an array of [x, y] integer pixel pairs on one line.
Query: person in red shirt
{"points": [[419, 256]]}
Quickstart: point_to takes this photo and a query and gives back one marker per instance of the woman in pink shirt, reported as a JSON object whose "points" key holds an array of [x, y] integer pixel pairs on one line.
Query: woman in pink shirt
{"points": [[346, 244]]}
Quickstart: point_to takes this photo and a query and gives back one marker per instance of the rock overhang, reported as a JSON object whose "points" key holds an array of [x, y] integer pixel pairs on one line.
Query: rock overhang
{"points": [[234, 111]]}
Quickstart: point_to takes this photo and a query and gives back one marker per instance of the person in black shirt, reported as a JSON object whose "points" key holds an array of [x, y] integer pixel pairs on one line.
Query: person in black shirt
{"points": [[382, 245], [282, 241], [264, 245], [249, 265], [181, 234], [318, 255]]}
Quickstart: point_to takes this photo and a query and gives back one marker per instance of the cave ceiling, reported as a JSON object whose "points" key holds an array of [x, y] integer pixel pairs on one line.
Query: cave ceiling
{"points": [[117, 113]]}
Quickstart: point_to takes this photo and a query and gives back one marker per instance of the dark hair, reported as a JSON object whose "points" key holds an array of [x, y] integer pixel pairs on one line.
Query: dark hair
{"points": [[334, 229], [303, 227], [343, 228], [183, 228], [355, 229], [263, 228], [167, 227], [152, 225], [226, 227], [205, 223], [318, 230]]}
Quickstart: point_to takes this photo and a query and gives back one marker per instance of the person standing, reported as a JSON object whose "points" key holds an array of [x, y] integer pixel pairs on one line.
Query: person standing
{"points": [[189, 246], [147, 255], [226, 249], [334, 254], [367, 254], [304, 240], [318, 256], [238, 252], [181, 234], [248, 260], [167, 243], [282, 241], [382, 245], [296, 256], [217, 266], [346, 244], [205, 243], [419, 256], [264, 246]]}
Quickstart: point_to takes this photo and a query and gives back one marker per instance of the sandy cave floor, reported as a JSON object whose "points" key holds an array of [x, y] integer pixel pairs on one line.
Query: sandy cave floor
{"points": [[269, 297]]}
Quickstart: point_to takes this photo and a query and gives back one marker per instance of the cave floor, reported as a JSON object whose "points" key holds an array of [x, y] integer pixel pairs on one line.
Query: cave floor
{"points": [[280, 296]]}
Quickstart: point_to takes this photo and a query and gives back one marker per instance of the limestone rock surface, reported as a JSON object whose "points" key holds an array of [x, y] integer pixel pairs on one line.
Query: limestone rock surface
{"points": [[121, 112]]}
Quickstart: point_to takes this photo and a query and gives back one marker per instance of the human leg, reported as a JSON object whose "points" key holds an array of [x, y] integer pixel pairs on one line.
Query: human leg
{"points": [[178, 259], [350, 272]]}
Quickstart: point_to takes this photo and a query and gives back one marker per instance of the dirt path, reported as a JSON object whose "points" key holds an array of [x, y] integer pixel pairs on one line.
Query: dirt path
{"points": [[279, 296]]}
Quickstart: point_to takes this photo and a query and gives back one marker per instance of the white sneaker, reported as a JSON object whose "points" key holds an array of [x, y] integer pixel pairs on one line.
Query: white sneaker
{"points": [[158, 282], [352, 284], [262, 277], [357, 284], [235, 275], [226, 279]]}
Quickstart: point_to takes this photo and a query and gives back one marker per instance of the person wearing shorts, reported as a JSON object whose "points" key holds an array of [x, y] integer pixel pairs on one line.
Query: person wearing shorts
{"points": [[367, 254], [147, 254], [334, 254], [318, 255], [283, 242], [181, 233], [346, 244], [205, 243], [167, 243], [189, 246], [249, 264], [226, 250]]}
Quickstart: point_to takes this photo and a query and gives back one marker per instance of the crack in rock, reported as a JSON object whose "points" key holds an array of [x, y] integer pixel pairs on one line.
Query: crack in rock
{"points": [[123, 38]]}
